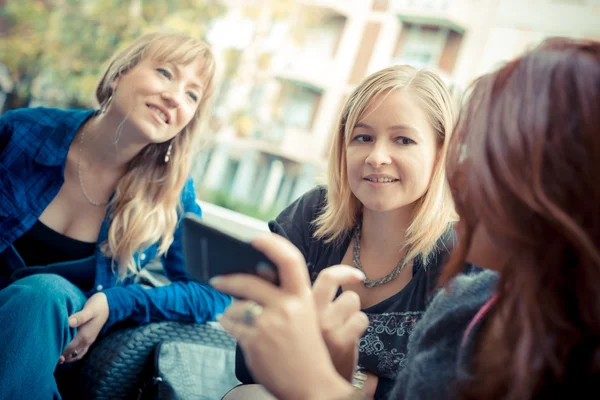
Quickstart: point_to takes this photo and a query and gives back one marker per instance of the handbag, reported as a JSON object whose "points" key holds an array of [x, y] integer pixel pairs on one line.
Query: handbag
{"points": [[179, 370]]}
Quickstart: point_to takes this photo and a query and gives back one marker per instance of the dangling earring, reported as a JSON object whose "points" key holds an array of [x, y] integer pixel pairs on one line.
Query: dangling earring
{"points": [[168, 155]]}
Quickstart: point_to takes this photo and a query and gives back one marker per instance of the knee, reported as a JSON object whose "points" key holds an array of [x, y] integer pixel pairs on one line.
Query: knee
{"points": [[248, 392], [44, 291]]}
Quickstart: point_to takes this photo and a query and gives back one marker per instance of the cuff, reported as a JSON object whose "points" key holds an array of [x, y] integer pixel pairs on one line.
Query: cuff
{"points": [[120, 305]]}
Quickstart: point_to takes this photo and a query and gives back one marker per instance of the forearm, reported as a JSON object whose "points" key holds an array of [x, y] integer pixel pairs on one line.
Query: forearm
{"points": [[182, 301]]}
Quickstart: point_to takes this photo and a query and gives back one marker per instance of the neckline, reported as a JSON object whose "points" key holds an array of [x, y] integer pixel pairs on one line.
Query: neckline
{"points": [[51, 231], [417, 268]]}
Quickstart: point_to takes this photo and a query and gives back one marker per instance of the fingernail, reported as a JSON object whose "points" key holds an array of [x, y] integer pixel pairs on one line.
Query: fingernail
{"points": [[72, 321], [266, 272], [263, 266], [215, 280]]}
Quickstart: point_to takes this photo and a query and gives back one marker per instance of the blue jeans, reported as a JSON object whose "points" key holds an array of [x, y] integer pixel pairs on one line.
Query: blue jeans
{"points": [[34, 327]]}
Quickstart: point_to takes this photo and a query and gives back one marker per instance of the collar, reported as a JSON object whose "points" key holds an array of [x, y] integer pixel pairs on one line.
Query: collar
{"points": [[55, 147]]}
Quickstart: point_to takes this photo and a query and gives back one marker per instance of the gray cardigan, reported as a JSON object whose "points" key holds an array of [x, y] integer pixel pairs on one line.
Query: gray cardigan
{"points": [[436, 359]]}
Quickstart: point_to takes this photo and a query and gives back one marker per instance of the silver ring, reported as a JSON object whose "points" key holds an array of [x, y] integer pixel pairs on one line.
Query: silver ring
{"points": [[74, 354], [251, 312]]}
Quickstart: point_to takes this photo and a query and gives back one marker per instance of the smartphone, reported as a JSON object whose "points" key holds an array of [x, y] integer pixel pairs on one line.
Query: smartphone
{"points": [[209, 252]]}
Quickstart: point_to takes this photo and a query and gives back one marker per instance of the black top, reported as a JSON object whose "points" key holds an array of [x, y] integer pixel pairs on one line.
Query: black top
{"points": [[43, 246], [383, 347]]}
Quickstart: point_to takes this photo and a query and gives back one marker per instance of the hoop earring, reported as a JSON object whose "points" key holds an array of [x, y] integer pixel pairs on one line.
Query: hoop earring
{"points": [[168, 155]]}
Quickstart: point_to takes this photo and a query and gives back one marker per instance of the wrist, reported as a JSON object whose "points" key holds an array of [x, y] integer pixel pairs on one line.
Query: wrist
{"points": [[332, 387]]}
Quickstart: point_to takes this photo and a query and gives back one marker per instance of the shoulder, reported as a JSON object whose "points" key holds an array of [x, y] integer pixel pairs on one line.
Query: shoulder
{"points": [[444, 245], [434, 345], [22, 122], [33, 127], [460, 300], [438, 257], [303, 210], [310, 203], [26, 115], [188, 198], [441, 253], [41, 116], [295, 222]]}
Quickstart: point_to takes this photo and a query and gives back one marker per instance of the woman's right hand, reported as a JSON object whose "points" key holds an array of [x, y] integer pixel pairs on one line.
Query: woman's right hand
{"points": [[279, 328], [341, 321]]}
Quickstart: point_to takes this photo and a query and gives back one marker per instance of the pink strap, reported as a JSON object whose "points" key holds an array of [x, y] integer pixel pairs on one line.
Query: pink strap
{"points": [[478, 317]]}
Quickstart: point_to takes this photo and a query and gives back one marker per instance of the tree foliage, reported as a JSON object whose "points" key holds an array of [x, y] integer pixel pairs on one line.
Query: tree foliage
{"points": [[57, 50]]}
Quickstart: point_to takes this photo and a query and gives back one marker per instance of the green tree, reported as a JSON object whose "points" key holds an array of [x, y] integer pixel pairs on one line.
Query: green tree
{"points": [[21, 48], [58, 49]]}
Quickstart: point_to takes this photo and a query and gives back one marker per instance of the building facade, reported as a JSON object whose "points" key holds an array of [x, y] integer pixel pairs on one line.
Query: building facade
{"points": [[277, 111]]}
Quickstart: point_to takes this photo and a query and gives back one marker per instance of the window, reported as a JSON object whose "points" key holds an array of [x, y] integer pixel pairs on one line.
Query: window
{"points": [[322, 39], [298, 105], [418, 56], [421, 45]]}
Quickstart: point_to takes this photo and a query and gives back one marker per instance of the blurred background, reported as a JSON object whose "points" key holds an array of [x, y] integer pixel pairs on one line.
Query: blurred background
{"points": [[285, 67]]}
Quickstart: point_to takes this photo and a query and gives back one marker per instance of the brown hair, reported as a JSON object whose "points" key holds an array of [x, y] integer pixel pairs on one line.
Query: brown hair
{"points": [[523, 165]]}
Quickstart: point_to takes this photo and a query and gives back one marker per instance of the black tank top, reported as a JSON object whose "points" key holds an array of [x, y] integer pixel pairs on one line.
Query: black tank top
{"points": [[43, 246]]}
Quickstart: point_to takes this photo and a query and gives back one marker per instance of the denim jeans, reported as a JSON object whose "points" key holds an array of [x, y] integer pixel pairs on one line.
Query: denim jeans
{"points": [[34, 313]]}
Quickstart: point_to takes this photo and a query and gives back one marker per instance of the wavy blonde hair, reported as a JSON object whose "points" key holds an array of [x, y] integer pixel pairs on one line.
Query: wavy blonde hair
{"points": [[434, 212], [146, 204]]}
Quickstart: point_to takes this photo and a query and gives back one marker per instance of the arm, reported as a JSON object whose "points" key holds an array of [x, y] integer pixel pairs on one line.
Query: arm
{"points": [[182, 300], [293, 224]]}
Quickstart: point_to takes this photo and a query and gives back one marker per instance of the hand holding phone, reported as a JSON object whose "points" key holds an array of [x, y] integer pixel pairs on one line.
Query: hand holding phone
{"points": [[209, 252]]}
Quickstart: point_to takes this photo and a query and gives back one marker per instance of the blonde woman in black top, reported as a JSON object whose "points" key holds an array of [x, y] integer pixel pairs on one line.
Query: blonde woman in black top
{"points": [[386, 210]]}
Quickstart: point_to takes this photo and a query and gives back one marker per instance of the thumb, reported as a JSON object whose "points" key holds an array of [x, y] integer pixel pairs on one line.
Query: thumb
{"points": [[355, 326], [330, 279], [79, 318]]}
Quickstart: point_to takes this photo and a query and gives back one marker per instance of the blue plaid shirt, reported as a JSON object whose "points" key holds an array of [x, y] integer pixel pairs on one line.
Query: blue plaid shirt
{"points": [[33, 150]]}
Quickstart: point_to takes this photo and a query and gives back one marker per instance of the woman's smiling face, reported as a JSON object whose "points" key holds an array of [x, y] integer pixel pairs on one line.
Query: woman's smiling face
{"points": [[159, 98], [391, 153]]}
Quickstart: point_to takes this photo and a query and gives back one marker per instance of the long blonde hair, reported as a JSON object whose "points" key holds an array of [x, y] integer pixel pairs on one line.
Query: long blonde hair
{"points": [[146, 204], [434, 212]]}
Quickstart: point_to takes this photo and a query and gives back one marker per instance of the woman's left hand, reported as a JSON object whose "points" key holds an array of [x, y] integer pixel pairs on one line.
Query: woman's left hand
{"points": [[278, 327], [89, 322]]}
